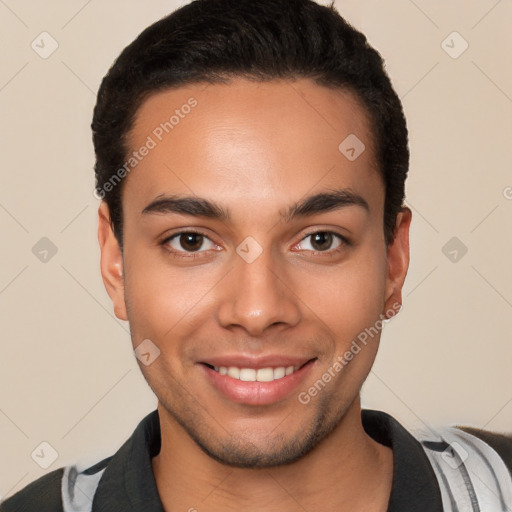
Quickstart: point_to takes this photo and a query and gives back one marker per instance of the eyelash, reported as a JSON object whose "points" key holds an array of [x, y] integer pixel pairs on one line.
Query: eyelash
{"points": [[192, 255]]}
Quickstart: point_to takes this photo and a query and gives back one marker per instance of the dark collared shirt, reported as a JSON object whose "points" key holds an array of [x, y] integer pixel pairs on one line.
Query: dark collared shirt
{"points": [[125, 481]]}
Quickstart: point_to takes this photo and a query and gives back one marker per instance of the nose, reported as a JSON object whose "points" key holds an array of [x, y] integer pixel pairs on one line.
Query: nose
{"points": [[258, 295]]}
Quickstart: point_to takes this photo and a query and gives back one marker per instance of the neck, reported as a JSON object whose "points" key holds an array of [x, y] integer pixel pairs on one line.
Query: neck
{"points": [[348, 470]]}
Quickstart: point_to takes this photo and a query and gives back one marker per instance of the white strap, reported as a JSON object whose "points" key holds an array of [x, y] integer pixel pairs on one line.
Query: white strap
{"points": [[78, 489], [471, 475]]}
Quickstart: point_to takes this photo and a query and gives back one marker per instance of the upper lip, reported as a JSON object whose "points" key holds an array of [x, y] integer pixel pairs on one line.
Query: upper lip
{"points": [[240, 361]]}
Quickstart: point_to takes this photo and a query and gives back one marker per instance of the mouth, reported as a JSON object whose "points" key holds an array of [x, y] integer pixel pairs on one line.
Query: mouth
{"points": [[266, 374], [260, 383]]}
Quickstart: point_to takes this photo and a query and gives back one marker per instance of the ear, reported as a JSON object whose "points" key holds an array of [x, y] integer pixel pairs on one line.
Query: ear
{"points": [[111, 262], [398, 262]]}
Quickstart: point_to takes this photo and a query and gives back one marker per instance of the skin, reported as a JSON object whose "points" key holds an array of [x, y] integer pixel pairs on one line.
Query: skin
{"points": [[256, 149]]}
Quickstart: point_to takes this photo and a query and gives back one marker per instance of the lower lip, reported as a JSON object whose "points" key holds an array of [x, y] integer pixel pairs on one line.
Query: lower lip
{"points": [[257, 393]]}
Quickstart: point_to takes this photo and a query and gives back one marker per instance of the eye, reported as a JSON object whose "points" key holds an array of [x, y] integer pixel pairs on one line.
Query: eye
{"points": [[187, 242], [322, 241]]}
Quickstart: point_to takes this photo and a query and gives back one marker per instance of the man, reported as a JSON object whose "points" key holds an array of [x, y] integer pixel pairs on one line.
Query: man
{"points": [[251, 160]]}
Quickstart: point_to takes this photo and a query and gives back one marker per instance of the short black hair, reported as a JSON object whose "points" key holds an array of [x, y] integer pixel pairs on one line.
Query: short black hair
{"points": [[213, 41]]}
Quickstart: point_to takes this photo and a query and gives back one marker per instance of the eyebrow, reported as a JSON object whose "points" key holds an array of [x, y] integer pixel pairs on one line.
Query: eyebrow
{"points": [[201, 207]]}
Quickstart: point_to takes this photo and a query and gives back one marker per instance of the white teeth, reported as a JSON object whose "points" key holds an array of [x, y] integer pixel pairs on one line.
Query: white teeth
{"points": [[265, 375], [251, 375], [280, 372], [234, 372], [248, 374]]}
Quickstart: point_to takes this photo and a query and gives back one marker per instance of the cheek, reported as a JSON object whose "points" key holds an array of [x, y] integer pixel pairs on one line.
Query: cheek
{"points": [[351, 297], [162, 299]]}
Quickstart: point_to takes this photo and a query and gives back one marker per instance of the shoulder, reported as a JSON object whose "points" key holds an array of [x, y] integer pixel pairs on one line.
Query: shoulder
{"points": [[41, 495], [501, 443], [74, 488], [66, 489], [471, 465]]}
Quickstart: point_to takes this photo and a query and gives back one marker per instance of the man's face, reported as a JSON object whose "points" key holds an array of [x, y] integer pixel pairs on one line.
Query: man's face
{"points": [[261, 288]]}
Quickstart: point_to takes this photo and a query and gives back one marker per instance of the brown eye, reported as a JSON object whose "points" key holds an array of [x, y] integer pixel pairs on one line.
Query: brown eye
{"points": [[323, 241], [188, 242]]}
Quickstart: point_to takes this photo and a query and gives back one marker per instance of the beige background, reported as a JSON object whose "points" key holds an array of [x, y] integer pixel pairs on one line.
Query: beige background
{"points": [[67, 372]]}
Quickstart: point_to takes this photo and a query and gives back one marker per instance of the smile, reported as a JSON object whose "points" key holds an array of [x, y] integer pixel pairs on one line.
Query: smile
{"points": [[263, 384], [255, 375]]}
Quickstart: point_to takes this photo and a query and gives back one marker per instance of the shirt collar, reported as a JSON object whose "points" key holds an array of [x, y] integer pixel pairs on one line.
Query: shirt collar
{"points": [[129, 484], [415, 486]]}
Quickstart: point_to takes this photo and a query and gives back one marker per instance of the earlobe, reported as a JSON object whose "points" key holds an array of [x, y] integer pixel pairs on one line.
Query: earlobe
{"points": [[111, 262], [398, 262]]}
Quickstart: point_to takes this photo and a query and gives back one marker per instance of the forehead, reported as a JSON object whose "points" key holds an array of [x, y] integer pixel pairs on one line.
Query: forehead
{"points": [[255, 142]]}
